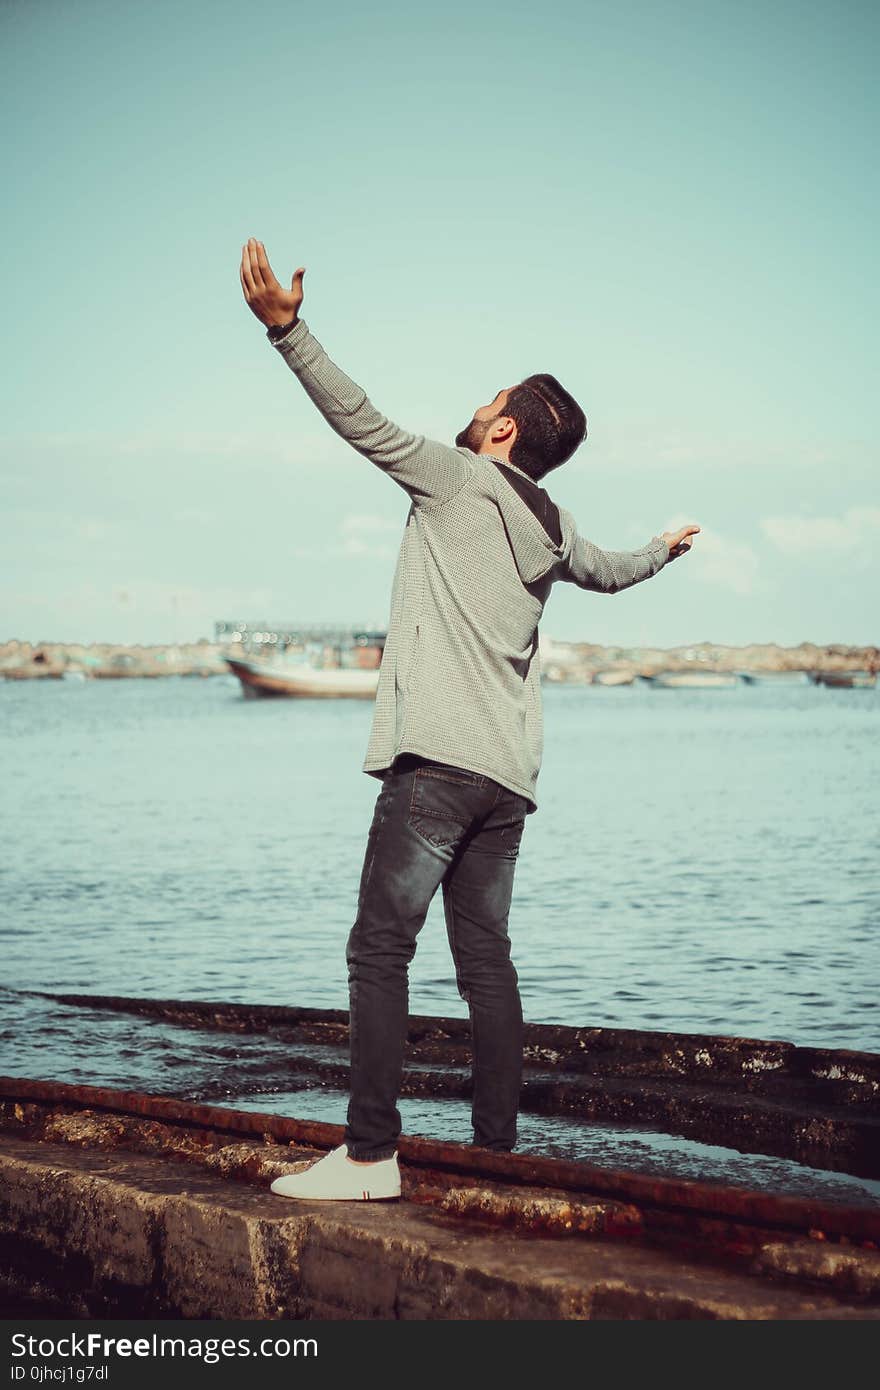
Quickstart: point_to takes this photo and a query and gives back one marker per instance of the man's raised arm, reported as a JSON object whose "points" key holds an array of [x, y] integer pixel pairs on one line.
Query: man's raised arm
{"points": [[609, 571], [427, 470]]}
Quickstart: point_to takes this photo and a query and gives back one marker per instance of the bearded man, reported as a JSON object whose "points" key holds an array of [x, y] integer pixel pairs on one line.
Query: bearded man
{"points": [[457, 734]]}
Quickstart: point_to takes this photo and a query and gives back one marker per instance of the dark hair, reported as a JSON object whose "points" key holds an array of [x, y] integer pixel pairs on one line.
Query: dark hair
{"points": [[549, 424]]}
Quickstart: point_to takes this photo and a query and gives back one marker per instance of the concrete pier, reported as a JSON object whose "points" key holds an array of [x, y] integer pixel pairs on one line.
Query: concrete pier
{"points": [[115, 1213]]}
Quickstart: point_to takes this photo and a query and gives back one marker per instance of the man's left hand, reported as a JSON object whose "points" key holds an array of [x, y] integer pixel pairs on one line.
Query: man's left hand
{"points": [[265, 296]]}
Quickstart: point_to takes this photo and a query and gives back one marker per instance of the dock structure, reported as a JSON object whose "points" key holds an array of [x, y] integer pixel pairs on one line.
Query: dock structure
{"points": [[123, 1204], [250, 634]]}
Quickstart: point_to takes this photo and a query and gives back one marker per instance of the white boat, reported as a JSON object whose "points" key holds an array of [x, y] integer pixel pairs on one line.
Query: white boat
{"points": [[693, 679], [271, 679], [613, 678]]}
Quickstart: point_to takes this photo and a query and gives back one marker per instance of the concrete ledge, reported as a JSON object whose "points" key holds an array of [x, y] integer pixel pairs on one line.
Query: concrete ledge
{"points": [[117, 1234]]}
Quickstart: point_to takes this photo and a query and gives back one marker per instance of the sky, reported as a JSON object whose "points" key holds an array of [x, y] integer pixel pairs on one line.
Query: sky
{"points": [[669, 206]]}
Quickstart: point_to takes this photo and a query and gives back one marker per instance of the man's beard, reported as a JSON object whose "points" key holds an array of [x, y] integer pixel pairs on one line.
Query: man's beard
{"points": [[473, 435]]}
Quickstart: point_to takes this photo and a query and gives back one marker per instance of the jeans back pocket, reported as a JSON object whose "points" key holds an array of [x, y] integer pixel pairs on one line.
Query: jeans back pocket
{"points": [[444, 802]]}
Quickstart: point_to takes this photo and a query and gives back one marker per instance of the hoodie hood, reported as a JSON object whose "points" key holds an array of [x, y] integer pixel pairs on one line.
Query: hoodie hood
{"points": [[537, 530]]}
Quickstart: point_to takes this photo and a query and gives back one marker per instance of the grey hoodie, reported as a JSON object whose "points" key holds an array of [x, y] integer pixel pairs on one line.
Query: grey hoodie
{"points": [[483, 545]]}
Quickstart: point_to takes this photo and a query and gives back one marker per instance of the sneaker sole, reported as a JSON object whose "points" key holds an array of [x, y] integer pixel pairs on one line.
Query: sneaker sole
{"points": [[303, 1197]]}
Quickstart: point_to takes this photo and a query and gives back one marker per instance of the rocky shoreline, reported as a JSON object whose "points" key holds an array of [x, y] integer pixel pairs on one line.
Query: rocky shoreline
{"points": [[578, 662], [106, 660], [584, 662]]}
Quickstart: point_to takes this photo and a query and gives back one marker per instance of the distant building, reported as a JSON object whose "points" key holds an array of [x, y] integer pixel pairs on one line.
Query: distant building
{"points": [[322, 644], [258, 634]]}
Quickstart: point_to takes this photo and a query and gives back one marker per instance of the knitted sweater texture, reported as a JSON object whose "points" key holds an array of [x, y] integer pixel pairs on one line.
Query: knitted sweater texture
{"points": [[460, 676]]}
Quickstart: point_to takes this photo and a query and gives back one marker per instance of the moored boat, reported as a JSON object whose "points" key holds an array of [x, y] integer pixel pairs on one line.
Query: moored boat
{"points": [[774, 677], [268, 679], [692, 679], [613, 678], [845, 679]]}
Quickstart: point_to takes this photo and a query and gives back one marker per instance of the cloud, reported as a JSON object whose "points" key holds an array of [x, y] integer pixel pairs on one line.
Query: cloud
{"points": [[148, 597], [729, 564], [360, 522], [855, 533], [91, 528], [195, 516], [369, 536], [229, 451]]}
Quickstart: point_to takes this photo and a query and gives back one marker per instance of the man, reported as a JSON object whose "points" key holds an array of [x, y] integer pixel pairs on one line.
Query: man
{"points": [[457, 731]]}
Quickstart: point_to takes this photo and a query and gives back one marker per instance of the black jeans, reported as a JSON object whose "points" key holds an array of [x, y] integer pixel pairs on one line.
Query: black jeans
{"points": [[435, 824]]}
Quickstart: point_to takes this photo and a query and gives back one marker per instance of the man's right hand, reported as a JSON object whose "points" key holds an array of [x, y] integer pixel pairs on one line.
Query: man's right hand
{"points": [[265, 296], [677, 541]]}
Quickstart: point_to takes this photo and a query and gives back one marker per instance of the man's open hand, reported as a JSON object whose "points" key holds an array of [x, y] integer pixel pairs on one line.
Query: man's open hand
{"points": [[265, 296], [678, 542]]}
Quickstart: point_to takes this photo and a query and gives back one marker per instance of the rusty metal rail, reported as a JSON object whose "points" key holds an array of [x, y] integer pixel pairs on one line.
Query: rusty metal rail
{"points": [[729, 1217]]}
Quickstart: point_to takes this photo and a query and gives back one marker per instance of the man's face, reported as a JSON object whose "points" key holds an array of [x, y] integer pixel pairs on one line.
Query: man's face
{"points": [[473, 435]]}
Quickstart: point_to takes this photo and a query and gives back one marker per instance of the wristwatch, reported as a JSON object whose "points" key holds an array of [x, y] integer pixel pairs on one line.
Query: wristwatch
{"points": [[278, 330]]}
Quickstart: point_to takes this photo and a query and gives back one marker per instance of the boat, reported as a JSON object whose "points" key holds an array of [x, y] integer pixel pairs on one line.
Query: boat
{"points": [[692, 679], [774, 677], [844, 679], [300, 680], [613, 678]]}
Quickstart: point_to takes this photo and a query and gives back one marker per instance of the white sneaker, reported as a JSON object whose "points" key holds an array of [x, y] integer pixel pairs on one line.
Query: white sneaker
{"points": [[335, 1178]]}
